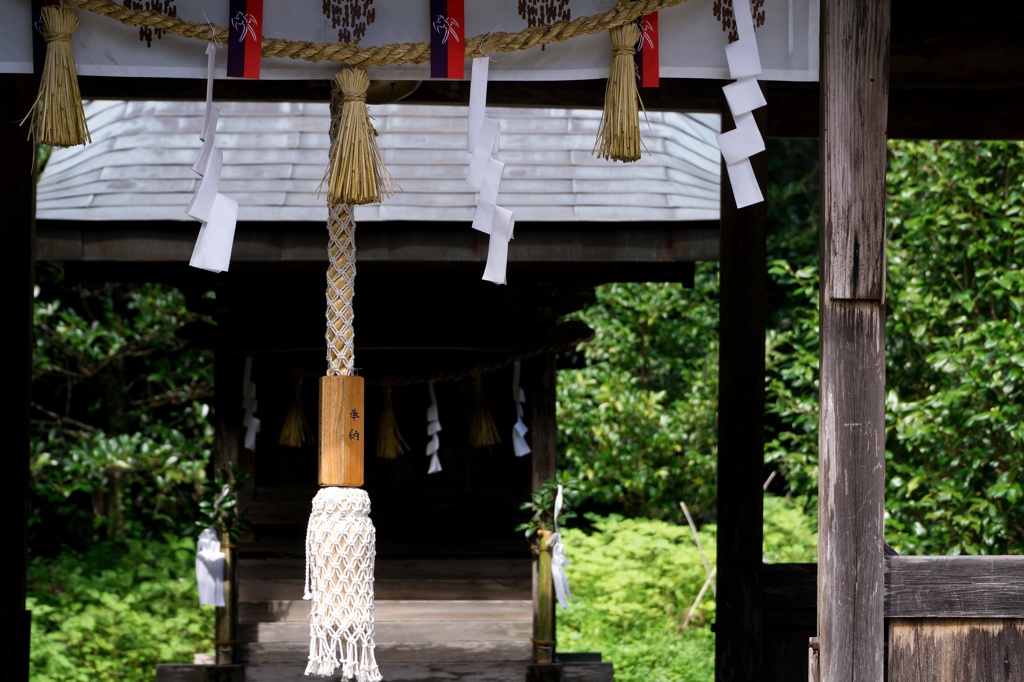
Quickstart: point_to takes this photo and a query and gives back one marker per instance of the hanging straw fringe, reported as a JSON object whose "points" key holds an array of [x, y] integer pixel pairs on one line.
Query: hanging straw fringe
{"points": [[58, 118], [619, 136], [357, 174], [482, 431], [390, 443], [295, 431]]}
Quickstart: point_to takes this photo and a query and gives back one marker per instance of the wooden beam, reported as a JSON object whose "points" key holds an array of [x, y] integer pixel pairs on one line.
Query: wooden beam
{"points": [[389, 242], [854, 59], [741, 399], [17, 216], [954, 587]]}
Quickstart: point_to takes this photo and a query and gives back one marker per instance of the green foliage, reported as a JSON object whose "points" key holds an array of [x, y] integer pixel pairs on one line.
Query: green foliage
{"points": [[116, 611], [955, 371], [120, 432], [633, 582], [541, 508], [955, 365], [638, 420], [790, 534], [219, 507]]}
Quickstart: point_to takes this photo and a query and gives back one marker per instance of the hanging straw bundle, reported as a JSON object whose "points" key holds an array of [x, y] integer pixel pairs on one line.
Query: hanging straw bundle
{"points": [[295, 431], [58, 118], [340, 538], [390, 443], [357, 174], [482, 430], [618, 138]]}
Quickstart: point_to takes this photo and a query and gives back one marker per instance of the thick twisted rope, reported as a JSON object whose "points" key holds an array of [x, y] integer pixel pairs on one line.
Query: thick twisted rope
{"points": [[624, 12], [341, 280]]}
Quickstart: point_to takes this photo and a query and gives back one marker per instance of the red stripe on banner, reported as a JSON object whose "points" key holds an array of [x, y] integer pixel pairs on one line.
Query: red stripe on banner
{"points": [[457, 39], [649, 51], [254, 40]]}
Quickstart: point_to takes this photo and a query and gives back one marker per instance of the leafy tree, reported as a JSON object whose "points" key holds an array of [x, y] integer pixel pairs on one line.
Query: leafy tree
{"points": [[955, 374], [120, 432], [637, 421], [955, 371]]}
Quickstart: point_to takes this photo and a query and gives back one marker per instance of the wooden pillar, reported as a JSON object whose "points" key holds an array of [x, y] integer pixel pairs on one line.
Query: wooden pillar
{"points": [[740, 430], [17, 275], [543, 441], [854, 104]]}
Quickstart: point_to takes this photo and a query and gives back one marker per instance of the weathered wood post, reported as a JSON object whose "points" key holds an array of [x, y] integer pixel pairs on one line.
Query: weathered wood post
{"points": [[854, 106], [17, 276], [543, 430], [741, 398]]}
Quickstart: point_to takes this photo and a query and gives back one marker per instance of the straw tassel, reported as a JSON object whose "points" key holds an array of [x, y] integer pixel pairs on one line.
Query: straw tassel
{"points": [[390, 443], [619, 136], [357, 174], [482, 431], [295, 432], [58, 118]]}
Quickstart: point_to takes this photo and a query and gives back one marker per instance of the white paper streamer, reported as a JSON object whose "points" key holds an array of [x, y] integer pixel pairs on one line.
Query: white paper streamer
{"points": [[519, 444], [743, 96], [217, 212], [210, 562], [433, 428], [249, 419], [558, 560], [484, 174]]}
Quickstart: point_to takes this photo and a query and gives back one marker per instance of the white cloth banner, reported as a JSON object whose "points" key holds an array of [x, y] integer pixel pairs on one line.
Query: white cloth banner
{"points": [[692, 40]]}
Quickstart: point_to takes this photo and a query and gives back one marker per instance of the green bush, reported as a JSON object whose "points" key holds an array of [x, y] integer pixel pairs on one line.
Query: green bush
{"points": [[634, 581], [115, 612]]}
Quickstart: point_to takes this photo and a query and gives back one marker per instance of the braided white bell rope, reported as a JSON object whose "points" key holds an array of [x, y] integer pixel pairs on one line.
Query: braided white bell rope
{"points": [[340, 552]]}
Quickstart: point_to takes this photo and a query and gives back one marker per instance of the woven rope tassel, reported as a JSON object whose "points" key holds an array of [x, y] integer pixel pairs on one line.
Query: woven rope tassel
{"points": [[58, 118], [340, 553], [357, 174], [619, 136]]}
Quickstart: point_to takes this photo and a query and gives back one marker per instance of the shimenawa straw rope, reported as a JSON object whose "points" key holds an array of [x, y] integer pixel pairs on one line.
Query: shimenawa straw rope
{"points": [[624, 12]]}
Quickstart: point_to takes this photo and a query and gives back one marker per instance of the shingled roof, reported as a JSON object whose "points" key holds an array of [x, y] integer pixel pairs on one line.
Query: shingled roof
{"points": [[138, 166]]}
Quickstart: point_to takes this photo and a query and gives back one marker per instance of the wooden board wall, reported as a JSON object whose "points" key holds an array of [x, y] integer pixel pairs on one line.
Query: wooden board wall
{"points": [[956, 650]]}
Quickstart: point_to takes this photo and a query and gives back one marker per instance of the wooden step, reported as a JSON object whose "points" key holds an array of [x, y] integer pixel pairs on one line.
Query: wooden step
{"points": [[493, 671], [394, 632], [384, 567], [294, 653], [482, 589], [418, 610]]}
